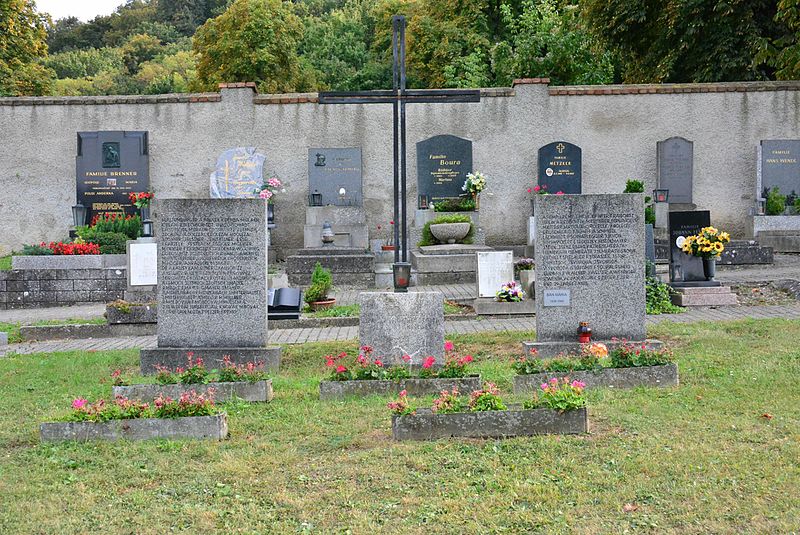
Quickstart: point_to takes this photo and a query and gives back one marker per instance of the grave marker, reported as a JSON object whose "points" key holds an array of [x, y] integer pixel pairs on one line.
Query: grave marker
{"points": [[779, 166], [684, 267], [675, 168], [238, 174], [560, 167], [495, 268], [443, 163], [336, 175]]}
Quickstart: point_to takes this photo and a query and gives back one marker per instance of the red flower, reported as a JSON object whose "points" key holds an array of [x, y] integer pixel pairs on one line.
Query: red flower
{"points": [[559, 193], [378, 363], [430, 361], [448, 345], [340, 369]]}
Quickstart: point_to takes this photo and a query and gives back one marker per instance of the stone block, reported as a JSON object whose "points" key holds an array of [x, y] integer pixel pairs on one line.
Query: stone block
{"points": [[692, 297], [546, 350], [22, 285], [212, 357], [198, 427], [63, 285], [355, 236], [336, 215], [259, 391], [486, 306], [740, 252], [61, 262], [656, 376], [89, 284], [414, 387], [117, 284], [3, 285], [781, 241], [104, 296], [115, 273], [81, 274], [3, 338], [145, 313], [348, 266], [40, 274], [73, 297], [397, 324]]}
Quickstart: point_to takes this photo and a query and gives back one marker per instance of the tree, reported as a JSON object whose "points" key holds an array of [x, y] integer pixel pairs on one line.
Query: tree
{"points": [[62, 35], [187, 15], [138, 49], [782, 52], [23, 34], [256, 41]]}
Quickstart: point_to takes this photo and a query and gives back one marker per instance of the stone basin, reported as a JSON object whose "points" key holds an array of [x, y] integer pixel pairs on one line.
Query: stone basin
{"points": [[450, 232]]}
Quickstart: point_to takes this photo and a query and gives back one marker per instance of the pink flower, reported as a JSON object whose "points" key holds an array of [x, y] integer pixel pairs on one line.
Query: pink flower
{"points": [[362, 359], [529, 190], [448, 346], [79, 403], [554, 381], [403, 393], [536, 188], [340, 369], [407, 358], [329, 360], [467, 359], [559, 193], [428, 362], [543, 386], [274, 182], [265, 194], [577, 384], [378, 363]]}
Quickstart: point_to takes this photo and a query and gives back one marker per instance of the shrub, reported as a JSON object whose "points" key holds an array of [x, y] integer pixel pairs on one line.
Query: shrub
{"points": [[130, 225], [427, 236], [455, 205], [111, 242], [321, 284], [797, 204], [627, 355], [190, 404], [776, 203], [251, 372], [637, 186], [487, 399], [36, 250], [657, 298], [449, 402]]}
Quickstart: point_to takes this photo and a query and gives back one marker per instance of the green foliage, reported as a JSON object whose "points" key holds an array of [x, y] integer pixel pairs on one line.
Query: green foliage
{"points": [[22, 44], [427, 236], [637, 186], [657, 298], [36, 250], [463, 204], [630, 356], [558, 395], [321, 284], [781, 49], [84, 63], [5, 263], [129, 226], [776, 203], [338, 311], [559, 364], [111, 242]]}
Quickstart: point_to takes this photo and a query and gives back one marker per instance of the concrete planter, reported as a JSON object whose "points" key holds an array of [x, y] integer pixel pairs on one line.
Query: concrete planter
{"points": [[414, 387], [245, 390], [425, 425], [144, 313], [666, 375], [93, 261], [450, 232], [200, 427]]}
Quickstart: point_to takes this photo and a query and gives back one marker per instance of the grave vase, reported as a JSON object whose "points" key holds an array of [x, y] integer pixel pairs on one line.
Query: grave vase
{"points": [[477, 198], [527, 278], [533, 207], [710, 268]]}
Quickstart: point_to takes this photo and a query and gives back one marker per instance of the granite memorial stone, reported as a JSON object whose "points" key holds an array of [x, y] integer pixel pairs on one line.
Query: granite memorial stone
{"points": [[560, 167], [238, 174], [684, 267], [495, 268], [443, 163], [779, 166], [336, 175], [109, 166], [675, 168]]}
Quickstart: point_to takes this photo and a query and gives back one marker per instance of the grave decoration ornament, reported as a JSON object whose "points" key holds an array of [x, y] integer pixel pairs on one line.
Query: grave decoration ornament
{"points": [[474, 185], [708, 245]]}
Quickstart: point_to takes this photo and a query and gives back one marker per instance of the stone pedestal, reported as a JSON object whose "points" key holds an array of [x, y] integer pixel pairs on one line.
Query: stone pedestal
{"points": [[693, 296], [350, 267], [446, 264], [397, 324], [348, 224], [423, 216]]}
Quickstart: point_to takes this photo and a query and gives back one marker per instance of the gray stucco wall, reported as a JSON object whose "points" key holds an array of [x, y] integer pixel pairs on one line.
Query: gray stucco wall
{"points": [[617, 131]]}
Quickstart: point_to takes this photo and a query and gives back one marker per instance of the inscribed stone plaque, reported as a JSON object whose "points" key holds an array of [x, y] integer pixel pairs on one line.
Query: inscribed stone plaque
{"points": [[443, 163], [336, 175], [238, 174], [560, 167], [674, 168], [593, 247], [143, 264], [495, 268], [109, 166], [212, 273], [684, 267], [556, 298], [779, 166]]}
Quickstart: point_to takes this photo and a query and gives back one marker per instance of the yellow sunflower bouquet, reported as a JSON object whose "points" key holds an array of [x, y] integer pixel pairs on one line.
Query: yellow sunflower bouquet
{"points": [[709, 243]]}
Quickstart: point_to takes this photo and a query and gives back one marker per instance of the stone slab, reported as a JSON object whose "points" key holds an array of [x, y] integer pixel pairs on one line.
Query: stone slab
{"points": [[495, 268], [560, 168], [486, 306], [674, 168], [780, 241], [397, 324], [144, 313], [741, 252], [94, 261], [443, 163], [658, 376], [438, 279], [546, 350], [258, 391], [336, 215], [332, 169], [426, 425], [331, 251], [197, 427], [3, 338], [356, 236], [694, 297], [212, 357], [212, 273], [453, 249], [590, 250], [414, 387], [684, 267], [779, 166], [142, 264], [85, 330], [444, 263], [349, 268]]}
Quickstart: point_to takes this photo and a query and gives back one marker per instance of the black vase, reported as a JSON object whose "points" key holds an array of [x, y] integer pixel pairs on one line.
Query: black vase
{"points": [[144, 211], [270, 215], [710, 268]]}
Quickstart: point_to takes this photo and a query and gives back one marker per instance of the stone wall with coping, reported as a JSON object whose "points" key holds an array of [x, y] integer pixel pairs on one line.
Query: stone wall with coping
{"points": [[616, 126], [30, 288]]}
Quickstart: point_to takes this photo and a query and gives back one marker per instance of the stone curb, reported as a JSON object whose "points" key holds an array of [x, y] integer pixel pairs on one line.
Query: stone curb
{"points": [[173, 357], [245, 390], [199, 427], [95, 261], [656, 376], [79, 331], [425, 425], [415, 387]]}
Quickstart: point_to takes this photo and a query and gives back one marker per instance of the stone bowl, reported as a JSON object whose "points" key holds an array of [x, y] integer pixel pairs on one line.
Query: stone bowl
{"points": [[450, 232]]}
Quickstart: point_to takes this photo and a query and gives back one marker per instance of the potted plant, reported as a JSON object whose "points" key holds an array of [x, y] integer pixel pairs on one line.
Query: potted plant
{"points": [[708, 245], [525, 268], [321, 283], [474, 185], [451, 228]]}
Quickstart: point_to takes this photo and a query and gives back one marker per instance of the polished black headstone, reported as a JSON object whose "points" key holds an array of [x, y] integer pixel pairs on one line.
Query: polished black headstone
{"points": [[675, 168], [336, 175], [779, 165], [110, 165], [560, 167], [684, 267], [284, 303], [443, 163]]}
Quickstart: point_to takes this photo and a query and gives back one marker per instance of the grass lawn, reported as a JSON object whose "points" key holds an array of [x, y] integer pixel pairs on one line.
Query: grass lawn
{"points": [[5, 263], [700, 458], [13, 328]]}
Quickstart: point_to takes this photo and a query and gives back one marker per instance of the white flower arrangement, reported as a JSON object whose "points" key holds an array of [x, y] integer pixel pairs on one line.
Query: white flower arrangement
{"points": [[475, 183]]}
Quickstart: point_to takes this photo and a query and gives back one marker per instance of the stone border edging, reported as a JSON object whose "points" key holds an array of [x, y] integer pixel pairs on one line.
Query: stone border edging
{"points": [[33, 333], [655, 376], [198, 427], [259, 391], [415, 387]]}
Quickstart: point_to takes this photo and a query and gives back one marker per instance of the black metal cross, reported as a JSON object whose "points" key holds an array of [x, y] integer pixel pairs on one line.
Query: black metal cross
{"points": [[399, 96]]}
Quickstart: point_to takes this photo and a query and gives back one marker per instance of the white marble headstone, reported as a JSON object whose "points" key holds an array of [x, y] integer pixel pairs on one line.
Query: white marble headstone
{"points": [[495, 268], [143, 264]]}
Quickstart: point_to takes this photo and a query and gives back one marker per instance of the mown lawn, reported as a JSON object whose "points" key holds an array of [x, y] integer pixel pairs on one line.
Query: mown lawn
{"points": [[717, 455]]}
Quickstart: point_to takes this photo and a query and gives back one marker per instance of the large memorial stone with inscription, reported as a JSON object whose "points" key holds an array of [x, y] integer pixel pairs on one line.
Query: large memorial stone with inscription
{"points": [[674, 168], [779, 166], [212, 283], [443, 163], [109, 166], [560, 167], [684, 268], [238, 174], [590, 259], [335, 174]]}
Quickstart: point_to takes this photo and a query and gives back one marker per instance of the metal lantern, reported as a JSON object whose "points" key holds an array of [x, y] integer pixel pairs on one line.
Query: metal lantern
{"points": [[315, 199], [661, 195], [402, 276], [79, 212], [147, 228]]}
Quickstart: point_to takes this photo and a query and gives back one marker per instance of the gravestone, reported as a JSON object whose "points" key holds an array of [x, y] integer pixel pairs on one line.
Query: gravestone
{"points": [[560, 167], [684, 268], [675, 168], [109, 166], [495, 268], [779, 166], [443, 163], [212, 283], [284, 303], [590, 258], [238, 175], [142, 263], [336, 175]]}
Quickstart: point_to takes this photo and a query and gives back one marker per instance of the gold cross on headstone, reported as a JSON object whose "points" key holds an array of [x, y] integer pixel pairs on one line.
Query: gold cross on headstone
{"points": [[560, 148]]}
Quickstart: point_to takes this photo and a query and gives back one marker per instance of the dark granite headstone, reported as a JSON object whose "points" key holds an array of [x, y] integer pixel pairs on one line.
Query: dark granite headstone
{"points": [[560, 167], [684, 267], [238, 174], [443, 163], [109, 166], [336, 175], [779, 165], [675, 168]]}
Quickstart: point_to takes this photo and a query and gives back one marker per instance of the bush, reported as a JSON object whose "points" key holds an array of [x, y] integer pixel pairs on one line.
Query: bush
{"points": [[427, 236], [131, 226], [637, 186], [657, 298], [776, 203], [455, 205], [36, 250], [111, 242], [321, 284]]}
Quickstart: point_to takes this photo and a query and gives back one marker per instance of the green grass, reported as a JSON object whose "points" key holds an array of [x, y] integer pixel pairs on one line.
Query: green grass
{"points": [[337, 311], [700, 458], [13, 328], [5, 263]]}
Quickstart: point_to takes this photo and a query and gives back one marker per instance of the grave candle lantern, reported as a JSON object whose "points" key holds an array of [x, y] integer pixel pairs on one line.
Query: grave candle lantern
{"points": [[584, 332]]}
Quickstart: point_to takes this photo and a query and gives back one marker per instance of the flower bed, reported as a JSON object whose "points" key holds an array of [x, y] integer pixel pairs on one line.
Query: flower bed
{"points": [[560, 408], [625, 366]]}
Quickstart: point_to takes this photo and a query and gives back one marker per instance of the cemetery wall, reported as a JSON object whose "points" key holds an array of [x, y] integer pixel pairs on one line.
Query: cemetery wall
{"points": [[616, 126]]}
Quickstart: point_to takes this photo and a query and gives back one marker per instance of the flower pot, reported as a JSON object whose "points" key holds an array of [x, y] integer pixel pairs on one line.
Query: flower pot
{"points": [[270, 215], [527, 278], [477, 197], [709, 268], [322, 305], [450, 232]]}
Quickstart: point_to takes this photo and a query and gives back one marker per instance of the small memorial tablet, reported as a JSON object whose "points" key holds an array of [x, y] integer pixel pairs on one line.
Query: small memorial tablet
{"points": [[143, 266], [495, 268], [556, 298]]}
